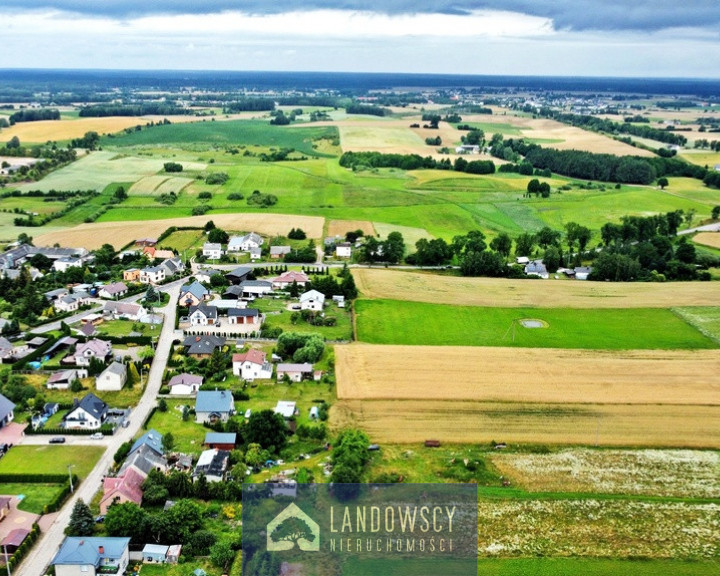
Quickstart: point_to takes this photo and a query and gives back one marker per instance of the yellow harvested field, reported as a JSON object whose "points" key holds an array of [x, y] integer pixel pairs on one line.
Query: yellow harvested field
{"points": [[501, 292], [94, 235], [527, 375], [632, 398], [340, 227], [45, 130], [410, 421], [175, 184], [146, 186], [711, 239]]}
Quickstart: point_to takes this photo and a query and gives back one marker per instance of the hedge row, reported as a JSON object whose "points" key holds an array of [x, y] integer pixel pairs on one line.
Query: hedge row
{"points": [[106, 430], [59, 499], [139, 340], [24, 548], [10, 478]]}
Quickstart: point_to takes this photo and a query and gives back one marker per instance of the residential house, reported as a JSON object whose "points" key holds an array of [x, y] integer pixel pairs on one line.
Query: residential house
{"points": [[68, 303], [536, 268], [122, 489], [312, 300], [225, 304], [205, 275], [7, 411], [251, 365], [245, 243], [221, 440], [255, 254], [202, 346], [240, 274], [287, 278], [156, 254], [91, 556], [278, 252], [468, 149], [247, 316], [124, 310], [212, 464], [64, 264], [146, 242], [16, 257], [203, 315], [152, 275], [522, 260], [54, 295], [61, 380], [255, 288], [213, 405], [582, 272], [212, 250], [143, 460], [152, 439], [172, 266], [114, 290], [343, 250], [193, 294], [185, 384], [295, 372], [132, 275], [94, 348], [88, 414], [285, 408], [113, 378]]}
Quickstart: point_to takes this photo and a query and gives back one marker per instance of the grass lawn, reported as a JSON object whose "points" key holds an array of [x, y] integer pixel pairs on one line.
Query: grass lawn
{"points": [[36, 495], [387, 322], [189, 436], [128, 396], [180, 569], [184, 240], [593, 567], [122, 328], [50, 460], [704, 318], [277, 314]]}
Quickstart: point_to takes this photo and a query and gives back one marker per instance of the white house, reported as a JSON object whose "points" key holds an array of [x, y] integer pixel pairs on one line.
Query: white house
{"points": [[152, 275], [90, 556], [203, 315], [185, 384], [287, 278], [88, 414], [249, 316], [212, 250], [537, 268], [114, 290], [343, 250], [244, 243], [68, 303], [94, 348], [312, 300], [67, 262], [63, 379], [582, 272], [124, 310], [113, 378], [251, 365]]}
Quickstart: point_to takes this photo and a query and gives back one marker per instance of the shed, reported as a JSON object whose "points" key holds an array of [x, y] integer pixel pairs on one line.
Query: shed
{"points": [[314, 413], [154, 553], [173, 554], [14, 539]]}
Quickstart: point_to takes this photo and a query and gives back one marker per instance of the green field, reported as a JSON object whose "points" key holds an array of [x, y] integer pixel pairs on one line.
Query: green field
{"points": [[36, 495], [594, 567], [227, 133], [50, 460], [705, 319], [417, 323]]}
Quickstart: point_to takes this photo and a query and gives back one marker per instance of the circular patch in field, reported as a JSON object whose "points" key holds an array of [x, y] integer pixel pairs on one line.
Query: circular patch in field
{"points": [[533, 323]]}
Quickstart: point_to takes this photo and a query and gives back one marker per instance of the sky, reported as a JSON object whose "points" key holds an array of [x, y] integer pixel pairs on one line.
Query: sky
{"points": [[624, 38]]}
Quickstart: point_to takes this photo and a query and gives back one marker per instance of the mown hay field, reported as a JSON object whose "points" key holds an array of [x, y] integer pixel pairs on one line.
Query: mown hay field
{"points": [[465, 373], [430, 287], [92, 236], [711, 239], [340, 227]]}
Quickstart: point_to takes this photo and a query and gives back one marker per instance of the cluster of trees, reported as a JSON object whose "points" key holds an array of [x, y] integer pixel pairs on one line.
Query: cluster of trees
{"points": [[172, 167], [433, 141], [342, 285], [297, 234], [146, 109], [358, 160], [370, 109], [609, 127], [89, 141], [16, 389], [305, 255], [249, 105], [712, 179], [261, 199], [216, 178], [349, 457], [391, 250], [34, 115], [300, 347]]}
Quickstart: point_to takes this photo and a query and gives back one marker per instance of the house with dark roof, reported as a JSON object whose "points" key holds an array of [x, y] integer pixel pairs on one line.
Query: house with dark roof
{"points": [[172, 266], [239, 274], [185, 384], [213, 405], [233, 292], [152, 275], [203, 315], [7, 411], [61, 380], [212, 464], [536, 268], [144, 460], [254, 287], [90, 556], [89, 413], [202, 346]]}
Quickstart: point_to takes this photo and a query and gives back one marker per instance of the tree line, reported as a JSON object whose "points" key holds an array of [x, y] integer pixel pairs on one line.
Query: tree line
{"points": [[150, 108], [34, 115], [358, 160]]}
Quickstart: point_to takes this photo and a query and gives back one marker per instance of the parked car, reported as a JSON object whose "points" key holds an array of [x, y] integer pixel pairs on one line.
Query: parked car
{"points": [[57, 440], [96, 436]]}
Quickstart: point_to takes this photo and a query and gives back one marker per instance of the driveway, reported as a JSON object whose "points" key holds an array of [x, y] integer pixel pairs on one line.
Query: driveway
{"points": [[12, 433], [16, 519]]}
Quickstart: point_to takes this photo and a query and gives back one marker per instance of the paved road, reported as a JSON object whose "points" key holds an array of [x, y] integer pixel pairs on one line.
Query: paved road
{"points": [[715, 227], [46, 548]]}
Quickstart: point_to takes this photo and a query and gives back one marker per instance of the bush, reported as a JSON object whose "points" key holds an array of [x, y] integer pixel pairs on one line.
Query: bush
{"points": [[172, 167]]}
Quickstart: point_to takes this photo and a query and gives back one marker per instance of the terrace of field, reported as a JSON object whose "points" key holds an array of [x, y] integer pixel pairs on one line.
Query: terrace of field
{"points": [[375, 283]]}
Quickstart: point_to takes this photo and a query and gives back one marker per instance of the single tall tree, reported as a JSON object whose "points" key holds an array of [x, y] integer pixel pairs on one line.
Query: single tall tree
{"points": [[82, 522]]}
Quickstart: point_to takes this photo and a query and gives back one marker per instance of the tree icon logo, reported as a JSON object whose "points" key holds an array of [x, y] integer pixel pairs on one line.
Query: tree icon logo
{"points": [[293, 527]]}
